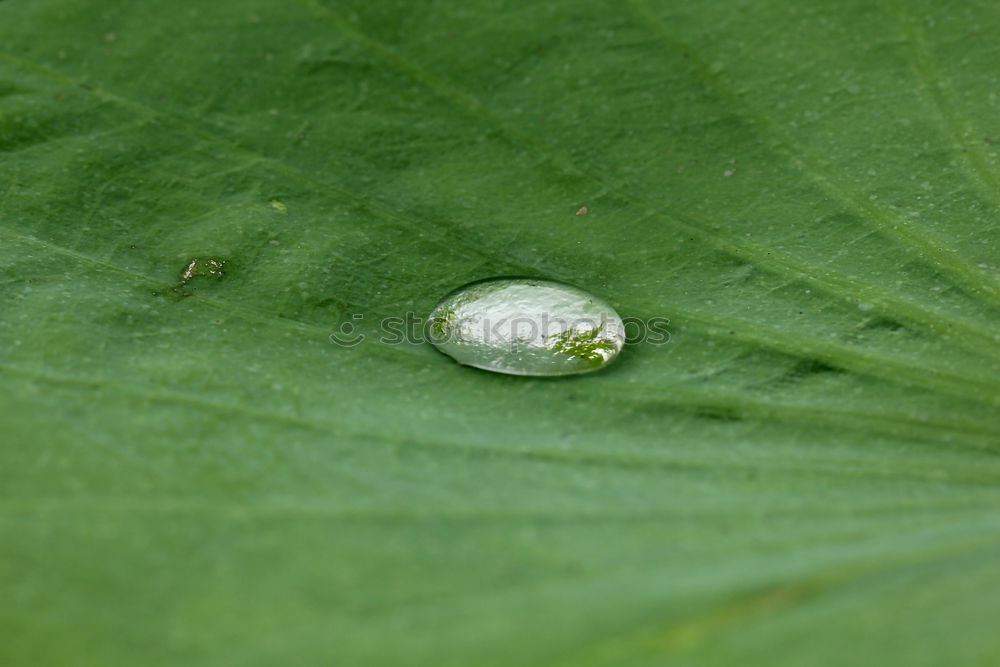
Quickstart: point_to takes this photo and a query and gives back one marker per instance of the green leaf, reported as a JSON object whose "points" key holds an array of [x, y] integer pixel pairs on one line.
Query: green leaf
{"points": [[195, 195]]}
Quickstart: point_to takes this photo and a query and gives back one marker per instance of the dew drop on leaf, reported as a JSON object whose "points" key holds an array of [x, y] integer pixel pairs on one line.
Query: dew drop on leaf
{"points": [[526, 326]]}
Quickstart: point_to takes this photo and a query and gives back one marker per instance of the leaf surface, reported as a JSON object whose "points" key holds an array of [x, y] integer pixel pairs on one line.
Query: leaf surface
{"points": [[195, 196]]}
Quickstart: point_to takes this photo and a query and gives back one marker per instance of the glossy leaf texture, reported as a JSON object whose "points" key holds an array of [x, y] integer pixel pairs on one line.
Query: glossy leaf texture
{"points": [[194, 196]]}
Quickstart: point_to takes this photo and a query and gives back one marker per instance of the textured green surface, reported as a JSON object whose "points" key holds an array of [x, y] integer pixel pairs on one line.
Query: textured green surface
{"points": [[192, 474]]}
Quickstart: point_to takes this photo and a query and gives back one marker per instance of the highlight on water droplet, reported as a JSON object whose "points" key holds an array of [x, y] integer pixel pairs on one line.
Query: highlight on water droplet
{"points": [[527, 326]]}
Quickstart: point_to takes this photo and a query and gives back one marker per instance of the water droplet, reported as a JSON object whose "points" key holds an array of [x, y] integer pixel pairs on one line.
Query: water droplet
{"points": [[527, 326]]}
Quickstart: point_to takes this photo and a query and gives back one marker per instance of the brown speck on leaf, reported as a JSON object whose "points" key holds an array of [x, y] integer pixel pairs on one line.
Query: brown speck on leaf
{"points": [[110, 37], [987, 140], [583, 210]]}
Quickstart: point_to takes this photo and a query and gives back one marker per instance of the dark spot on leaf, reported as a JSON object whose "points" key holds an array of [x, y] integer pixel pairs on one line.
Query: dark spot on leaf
{"points": [[718, 413], [331, 303], [315, 58], [807, 368], [883, 324]]}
